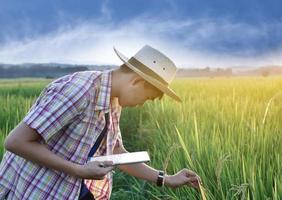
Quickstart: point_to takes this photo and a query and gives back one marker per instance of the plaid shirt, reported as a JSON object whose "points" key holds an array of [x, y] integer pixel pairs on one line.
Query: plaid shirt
{"points": [[69, 115]]}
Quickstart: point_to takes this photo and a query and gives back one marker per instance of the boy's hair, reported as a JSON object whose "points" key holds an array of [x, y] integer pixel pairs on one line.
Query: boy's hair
{"points": [[127, 70]]}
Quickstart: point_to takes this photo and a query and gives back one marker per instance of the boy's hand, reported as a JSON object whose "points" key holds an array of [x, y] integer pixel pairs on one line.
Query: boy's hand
{"points": [[183, 177], [94, 170]]}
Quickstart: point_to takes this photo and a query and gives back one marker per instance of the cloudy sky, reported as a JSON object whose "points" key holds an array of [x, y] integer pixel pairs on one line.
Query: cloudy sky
{"points": [[194, 33]]}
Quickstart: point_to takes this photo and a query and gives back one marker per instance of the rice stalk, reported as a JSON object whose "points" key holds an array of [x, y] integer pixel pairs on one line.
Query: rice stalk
{"points": [[268, 106], [184, 148]]}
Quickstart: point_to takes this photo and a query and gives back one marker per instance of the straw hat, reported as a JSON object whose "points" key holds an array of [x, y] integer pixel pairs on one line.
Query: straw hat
{"points": [[154, 67]]}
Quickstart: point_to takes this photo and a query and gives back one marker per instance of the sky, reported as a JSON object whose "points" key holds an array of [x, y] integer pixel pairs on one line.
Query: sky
{"points": [[193, 33]]}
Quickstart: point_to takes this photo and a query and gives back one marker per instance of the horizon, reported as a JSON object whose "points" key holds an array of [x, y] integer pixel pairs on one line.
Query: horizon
{"points": [[113, 65]]}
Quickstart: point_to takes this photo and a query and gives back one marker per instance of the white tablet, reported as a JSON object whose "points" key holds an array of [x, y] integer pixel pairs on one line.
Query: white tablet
{"points": [[124, 158]]}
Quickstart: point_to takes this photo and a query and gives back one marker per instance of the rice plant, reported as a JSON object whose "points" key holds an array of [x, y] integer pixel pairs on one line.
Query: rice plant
{"points": [[228, 130]]}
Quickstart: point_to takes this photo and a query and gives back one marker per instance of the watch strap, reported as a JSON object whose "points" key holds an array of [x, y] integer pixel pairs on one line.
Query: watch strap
{"points": [[160, 179]]}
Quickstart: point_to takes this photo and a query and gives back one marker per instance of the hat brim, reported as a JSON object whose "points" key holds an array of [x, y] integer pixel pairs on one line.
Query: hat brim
{"points": [[165, 89]]}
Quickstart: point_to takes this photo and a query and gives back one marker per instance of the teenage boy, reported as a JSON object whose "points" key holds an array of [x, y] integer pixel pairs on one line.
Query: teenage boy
{"points": [[77, 117]]}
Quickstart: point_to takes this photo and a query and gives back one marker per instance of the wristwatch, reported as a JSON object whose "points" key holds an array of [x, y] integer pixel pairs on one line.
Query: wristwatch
{"points": [[160, 180]]}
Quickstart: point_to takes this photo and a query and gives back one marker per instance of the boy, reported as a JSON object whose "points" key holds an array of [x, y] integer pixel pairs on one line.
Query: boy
{"points": [[76, 117]]}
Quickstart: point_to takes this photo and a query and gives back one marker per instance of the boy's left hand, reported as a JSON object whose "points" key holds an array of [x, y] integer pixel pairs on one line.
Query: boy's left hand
{"points": [[183, 177]]}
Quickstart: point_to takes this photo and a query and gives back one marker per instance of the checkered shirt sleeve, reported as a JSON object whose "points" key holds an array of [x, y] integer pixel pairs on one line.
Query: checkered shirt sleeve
{"points": [[58, 104]]}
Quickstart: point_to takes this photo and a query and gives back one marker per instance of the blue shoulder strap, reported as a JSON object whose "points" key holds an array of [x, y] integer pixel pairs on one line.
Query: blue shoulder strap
{"points": [[100, 138], [84, 190]]}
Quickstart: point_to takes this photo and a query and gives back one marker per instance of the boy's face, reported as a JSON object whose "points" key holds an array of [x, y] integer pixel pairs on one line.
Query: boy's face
{"points": [[137, 92]]}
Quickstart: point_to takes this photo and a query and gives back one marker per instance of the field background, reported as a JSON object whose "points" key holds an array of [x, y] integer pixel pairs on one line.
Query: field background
{"points": [[228, 130]]}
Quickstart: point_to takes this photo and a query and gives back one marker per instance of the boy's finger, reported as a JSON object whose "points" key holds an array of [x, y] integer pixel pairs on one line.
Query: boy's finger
{"points": [[196, 183], [199, 180], [108, 163], [193, 181], [105, 164], [190, 173], [107, 169]]}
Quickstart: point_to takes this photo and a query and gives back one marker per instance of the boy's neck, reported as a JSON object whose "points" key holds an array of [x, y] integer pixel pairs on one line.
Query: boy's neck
{"points": [[116, 83]]}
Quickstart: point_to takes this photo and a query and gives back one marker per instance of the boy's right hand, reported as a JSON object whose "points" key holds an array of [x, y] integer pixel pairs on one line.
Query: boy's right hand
{"points": [[94, 170]]}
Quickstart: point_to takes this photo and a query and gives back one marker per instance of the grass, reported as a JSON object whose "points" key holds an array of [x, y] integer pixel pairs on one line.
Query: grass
{"points": [[226, 130]]}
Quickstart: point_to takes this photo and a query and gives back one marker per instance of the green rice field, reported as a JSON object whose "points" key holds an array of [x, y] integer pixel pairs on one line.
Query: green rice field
{"points": [[228, 130]]}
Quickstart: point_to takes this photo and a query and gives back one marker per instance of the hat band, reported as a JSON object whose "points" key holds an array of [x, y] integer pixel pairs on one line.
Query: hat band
{"points": [[137, 64]]}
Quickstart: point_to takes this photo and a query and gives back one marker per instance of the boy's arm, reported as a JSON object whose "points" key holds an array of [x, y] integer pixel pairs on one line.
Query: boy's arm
{"points": [[25, 142], [145, 172], [139, 170]]}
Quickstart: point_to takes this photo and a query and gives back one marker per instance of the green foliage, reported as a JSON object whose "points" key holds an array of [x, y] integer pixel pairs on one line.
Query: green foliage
{"points": [[227, 130]]}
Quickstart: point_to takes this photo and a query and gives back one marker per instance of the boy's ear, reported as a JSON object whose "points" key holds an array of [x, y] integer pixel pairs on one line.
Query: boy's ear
{"points": [[137, 79]]}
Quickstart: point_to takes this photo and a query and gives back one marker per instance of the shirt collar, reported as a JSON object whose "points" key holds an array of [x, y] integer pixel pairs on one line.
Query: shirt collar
{"points": [[104, 92]]}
